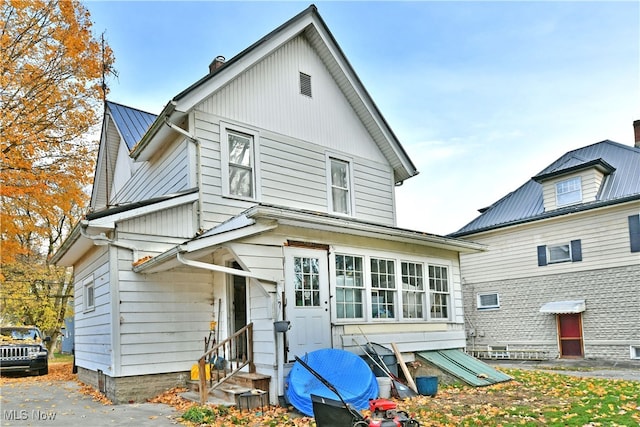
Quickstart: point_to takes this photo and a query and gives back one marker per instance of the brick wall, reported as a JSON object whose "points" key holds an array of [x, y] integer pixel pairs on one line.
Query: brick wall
{"points": [[611, 321]]}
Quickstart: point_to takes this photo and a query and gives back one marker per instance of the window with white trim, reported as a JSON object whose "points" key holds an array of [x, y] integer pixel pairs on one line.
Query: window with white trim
{"points": [[349, 287], [238, 164], [569, 191], [89, 299], [635, 351], [340, 186], [488, 301], [498, 351], [439, 292], [383, 288], [413, 291], [559, 253], [372, 285]]}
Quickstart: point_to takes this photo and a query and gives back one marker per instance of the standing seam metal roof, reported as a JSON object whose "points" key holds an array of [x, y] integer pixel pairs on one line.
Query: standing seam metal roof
{"points": [[526, 203], [131, 122]]}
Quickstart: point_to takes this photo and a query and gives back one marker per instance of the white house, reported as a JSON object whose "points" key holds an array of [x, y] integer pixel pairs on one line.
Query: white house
{"points": [[263, 192]]}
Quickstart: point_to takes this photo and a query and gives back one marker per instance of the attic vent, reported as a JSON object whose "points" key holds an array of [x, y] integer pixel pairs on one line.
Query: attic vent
{"points": [[305, 84]]}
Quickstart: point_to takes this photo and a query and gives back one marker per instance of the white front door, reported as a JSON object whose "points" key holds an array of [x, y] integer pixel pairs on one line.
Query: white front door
{"points": [[307, 301]]}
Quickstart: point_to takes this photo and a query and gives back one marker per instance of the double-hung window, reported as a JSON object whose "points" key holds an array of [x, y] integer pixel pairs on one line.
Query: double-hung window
{"points": [[89, 294], [340, 186], [412, 290], [383, 288], [569, 191], [349, 287], [239, 164], [439, 292]]}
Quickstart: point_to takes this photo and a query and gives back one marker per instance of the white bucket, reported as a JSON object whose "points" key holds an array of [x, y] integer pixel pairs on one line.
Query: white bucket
{"points": [[384, 387]]}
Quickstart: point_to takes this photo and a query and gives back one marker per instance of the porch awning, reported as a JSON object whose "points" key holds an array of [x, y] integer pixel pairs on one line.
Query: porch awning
{"points": [[563, 307]]}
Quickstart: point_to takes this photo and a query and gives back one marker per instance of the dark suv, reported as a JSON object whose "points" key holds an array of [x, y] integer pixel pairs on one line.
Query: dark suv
{"points": [[22, 349]]}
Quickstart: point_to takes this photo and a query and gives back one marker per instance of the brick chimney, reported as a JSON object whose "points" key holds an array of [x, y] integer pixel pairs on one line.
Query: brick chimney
{"points": [[217, 63]]}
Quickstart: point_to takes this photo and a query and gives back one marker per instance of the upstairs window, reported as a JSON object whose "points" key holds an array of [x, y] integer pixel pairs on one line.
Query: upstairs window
{"points": [[238, 164], [569, 191], [557, 253], [340, 185]]}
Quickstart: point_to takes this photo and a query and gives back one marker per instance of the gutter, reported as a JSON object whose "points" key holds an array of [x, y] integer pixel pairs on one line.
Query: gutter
{"points": [[102, 240], [153, 130]]}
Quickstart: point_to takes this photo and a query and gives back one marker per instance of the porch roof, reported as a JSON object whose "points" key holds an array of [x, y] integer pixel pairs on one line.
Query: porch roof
{"points": [[262, 218]]}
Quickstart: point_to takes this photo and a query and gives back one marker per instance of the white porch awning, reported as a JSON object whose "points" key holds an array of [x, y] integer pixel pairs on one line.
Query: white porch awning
{"points": [[563, 307]]}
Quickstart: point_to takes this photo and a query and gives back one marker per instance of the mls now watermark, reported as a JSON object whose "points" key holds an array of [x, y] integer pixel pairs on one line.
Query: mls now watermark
{"points": [[25, 415]]}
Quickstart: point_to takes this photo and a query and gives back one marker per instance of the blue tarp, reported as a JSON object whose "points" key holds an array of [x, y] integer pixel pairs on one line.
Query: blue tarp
{"points": [[347, 372]]}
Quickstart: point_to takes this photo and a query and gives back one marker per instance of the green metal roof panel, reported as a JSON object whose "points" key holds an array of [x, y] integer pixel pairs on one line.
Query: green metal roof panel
{"points": [[467, 368]]}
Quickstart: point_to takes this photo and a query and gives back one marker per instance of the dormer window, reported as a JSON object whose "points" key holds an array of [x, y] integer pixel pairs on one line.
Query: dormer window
{"points": [[569, 191]]}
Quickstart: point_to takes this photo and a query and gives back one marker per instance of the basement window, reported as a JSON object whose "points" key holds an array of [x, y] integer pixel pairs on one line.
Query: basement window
{"points": [[488, 301], [305, 84], [635, 352], [498, 351]]}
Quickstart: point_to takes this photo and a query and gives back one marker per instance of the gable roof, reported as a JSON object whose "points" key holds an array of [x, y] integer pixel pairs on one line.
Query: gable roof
{"points": [[312, 26], [621, 162], [131, 122]]}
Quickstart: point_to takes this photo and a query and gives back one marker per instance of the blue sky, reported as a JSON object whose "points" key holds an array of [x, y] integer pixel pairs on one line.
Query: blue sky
{"points": [[482, 95]]}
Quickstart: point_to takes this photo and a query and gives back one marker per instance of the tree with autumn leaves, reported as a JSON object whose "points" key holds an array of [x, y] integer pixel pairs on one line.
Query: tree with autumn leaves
{"points": [[52, 70]]}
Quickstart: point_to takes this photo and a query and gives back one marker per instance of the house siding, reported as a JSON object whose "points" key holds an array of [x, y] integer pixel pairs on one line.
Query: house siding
{"points": [[163, 319], [604, 236], [264, 255], [292, 173], [606, 278], [610, 321], [272, 100], [166, 173], [93, 331], [179, 221]]}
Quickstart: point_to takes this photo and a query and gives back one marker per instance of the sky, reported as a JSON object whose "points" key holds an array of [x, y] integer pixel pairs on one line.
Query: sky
{"points": [[482, 95]]}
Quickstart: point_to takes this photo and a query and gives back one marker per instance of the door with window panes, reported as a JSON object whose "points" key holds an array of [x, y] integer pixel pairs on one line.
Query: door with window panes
{"points": [[307, 301]]}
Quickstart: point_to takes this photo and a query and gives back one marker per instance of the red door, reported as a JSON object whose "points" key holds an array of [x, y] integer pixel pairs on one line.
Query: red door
{"points": [[570, 335]]}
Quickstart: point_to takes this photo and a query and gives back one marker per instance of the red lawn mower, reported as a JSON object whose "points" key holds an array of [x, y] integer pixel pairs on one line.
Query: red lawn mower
{"points": [[338, 413]]}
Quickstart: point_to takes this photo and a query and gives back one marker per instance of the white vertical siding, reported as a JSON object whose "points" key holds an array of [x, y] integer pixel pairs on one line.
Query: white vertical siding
{"points": [[179, 221], [268, 96], [165, 173], [93, 348]]}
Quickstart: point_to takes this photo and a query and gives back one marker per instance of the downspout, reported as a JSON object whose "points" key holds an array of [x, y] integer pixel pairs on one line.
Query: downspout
{"points": [[221, 269], [198, 185]]}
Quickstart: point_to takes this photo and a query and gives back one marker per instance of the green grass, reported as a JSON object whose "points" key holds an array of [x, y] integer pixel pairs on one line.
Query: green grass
{"points": [[533, 398], [61, 358]]}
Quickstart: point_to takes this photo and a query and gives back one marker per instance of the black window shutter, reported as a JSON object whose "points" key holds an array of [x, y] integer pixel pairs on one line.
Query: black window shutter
{"points": [[542, 255], [634, 232], [576, 250]]}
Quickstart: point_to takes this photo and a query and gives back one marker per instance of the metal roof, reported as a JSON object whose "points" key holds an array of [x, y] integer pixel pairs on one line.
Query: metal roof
{"points": [[131, 122], [469, 369], [526, 203]]}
